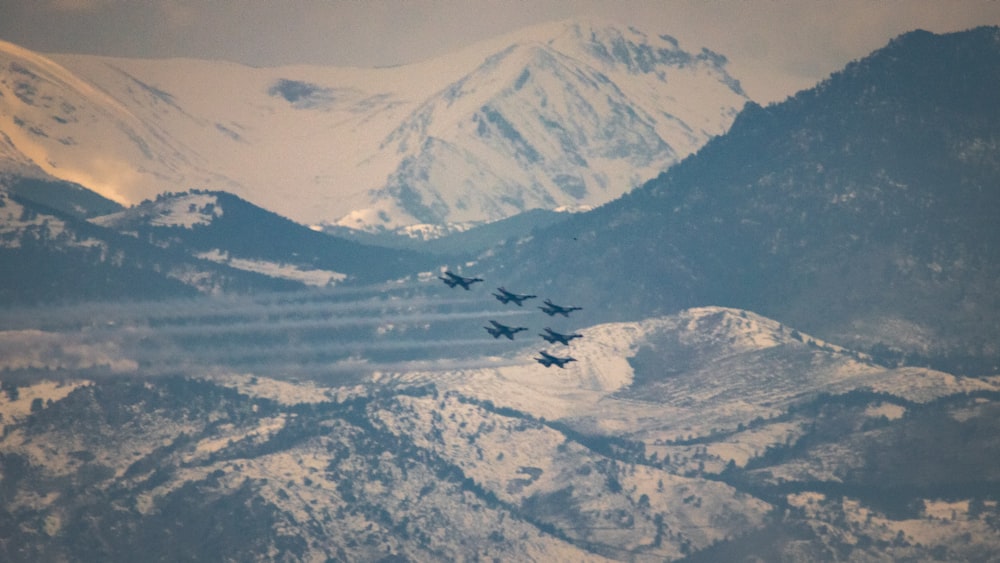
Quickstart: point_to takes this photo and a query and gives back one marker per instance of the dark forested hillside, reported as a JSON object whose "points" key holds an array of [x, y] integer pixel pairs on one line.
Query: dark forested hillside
{"points": [[239, 229], [49, 255], [54, 249]]}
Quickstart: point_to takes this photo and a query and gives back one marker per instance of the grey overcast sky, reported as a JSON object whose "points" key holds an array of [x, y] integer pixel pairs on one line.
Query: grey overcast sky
{"points": [[775, 47]]}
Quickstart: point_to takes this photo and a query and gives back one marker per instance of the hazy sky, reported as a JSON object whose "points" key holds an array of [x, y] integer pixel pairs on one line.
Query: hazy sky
{"points": [[775, 46]]}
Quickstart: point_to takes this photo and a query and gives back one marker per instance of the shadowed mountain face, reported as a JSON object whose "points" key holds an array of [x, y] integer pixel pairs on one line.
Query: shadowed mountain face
{"points": [[863, 210]]}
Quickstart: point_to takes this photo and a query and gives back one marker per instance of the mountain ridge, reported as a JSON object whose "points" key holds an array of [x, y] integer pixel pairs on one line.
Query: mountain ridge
{"points": [[222, 227], [61, 243], [372, 147]]}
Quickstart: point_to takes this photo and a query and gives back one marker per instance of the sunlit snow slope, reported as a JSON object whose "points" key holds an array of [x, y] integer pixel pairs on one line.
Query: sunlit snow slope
{"points": [[571, 114]]}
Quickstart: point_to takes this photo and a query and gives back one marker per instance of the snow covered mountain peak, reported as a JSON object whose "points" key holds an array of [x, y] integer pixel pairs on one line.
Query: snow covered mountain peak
{"points": [[564, 115], [617, 45]]}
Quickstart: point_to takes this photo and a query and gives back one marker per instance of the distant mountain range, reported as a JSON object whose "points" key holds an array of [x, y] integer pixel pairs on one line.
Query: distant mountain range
{"points": [[567, 115]]}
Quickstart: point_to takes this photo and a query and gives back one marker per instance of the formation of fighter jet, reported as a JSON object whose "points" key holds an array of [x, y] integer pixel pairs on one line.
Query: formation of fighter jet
{"points": [[452, 280], [498, 330], [552, 336], [548, 360], [508, 297], [551, 309]]}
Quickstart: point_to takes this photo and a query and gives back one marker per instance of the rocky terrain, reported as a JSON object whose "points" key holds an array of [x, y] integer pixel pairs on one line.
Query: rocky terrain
{"points": [[700, 435]]}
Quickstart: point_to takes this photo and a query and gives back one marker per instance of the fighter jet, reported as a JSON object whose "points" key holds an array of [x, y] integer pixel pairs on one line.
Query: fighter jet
{"points": [[552, 336], [498, 330], [451, 280], [506, 297], [551, 309], [548, 360]]}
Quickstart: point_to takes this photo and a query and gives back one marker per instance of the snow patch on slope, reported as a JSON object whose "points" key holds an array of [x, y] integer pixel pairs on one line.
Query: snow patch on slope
{"points": [[186, 211], [13, 410], [316, 278]]}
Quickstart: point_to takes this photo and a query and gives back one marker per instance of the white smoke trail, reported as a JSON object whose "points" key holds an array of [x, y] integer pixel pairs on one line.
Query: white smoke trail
{"points": [[304, 352], [313, 324], [383, 327], [62, 317]]}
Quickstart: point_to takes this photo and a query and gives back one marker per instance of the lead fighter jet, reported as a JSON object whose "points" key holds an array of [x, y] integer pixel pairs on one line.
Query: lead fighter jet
{"points": [[498, 330], [451, 280], [506, 297], [551, 309], [548, 360], [552, 336]]}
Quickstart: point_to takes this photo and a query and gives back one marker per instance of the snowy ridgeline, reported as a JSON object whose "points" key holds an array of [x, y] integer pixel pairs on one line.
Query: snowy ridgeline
{"points": [[568, 114]]}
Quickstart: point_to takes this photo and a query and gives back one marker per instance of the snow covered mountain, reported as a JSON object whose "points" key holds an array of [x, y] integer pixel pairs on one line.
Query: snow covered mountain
{"points": [[565, 115], [690, 436]]}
